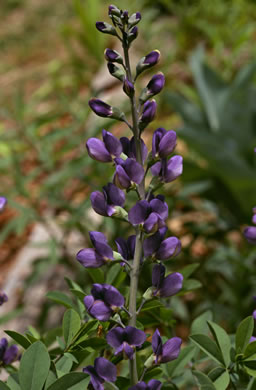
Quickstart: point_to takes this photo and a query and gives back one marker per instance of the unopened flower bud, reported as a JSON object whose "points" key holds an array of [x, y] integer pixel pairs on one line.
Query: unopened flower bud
{"points": [[148, 61], [113, 10], [105, 110], [113, 56], [134, 19], [106, 28], [132, 34], [128, 87], [125, 16], [155, 86], [115, 71], [148, 114]]}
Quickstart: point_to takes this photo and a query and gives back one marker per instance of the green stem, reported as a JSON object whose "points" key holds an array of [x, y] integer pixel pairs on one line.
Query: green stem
{"points": [[134, 276]]}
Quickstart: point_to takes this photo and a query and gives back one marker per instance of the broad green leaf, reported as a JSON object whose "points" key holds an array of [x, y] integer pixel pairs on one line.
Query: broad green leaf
{"points": [[79, 294], [19, 338], [67, 381], [177, 366], [51, 378], [13, 382], [190, 284], [250, 367], [220, 378], [96, 274], [3, 386], [189, 269], [222, 339], [208, 346], [70, 325], [93, 342], [243, 334], [199, 325], [63, 366], [203, 380], [34, 367], [250, 351], [155, 373], [60, 298]]}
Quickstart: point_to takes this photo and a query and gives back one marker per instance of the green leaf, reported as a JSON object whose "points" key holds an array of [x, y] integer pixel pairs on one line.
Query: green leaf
{"points": [[110, 386], [3, 386], [51, 378], [250, 351], [199, 325], [222, 339], [243, 334], [250, 367], [70, 325], [13, 382], [189, 269], [68, 381], [34, 367], [19, 338], [63, 366], [208, 346], [203, 380], [96, 274], [190, 284], [176, 367], [93, 342], [220, 378], [60, 298]]}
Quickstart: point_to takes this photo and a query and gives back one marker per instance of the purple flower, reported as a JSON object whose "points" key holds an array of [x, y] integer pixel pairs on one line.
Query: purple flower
{"points": [[97, 256], [148, 114], [103, 302], [250, 234], [102, 371], [127, 172], [154, 87], [113, 10], [167, 171], [165, 286], [130, 150], [3, 298], [160, 248], [164, 353], [126, 248], [125, 340], [105, 28], [163, 142], [254, 314], [3, 202], [132, 34], [100, 108], [153, 384], [104, 202], [8, 354], [152, 58], [151, 214], [106, 150], [128, 87], [113, 56], [252, 339]]}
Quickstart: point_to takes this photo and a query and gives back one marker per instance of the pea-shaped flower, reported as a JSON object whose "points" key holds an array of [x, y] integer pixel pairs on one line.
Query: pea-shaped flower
{"points": [[153, 384], [129, 148], [125, 340], [126, 248], [104, 301], [127, 172], [102, 371], [148, 114], [167, 171], [105, 150], [150, 214], [3, 203], [3, 298], [163, 142], [154, 87], [97, 256], [164, 353], [148, 61], [8, 354], [160, 248], [104, 202], [165, 286]]}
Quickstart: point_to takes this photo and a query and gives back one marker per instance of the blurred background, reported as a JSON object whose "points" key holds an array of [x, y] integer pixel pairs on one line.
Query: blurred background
{"points": [[52, 62]]}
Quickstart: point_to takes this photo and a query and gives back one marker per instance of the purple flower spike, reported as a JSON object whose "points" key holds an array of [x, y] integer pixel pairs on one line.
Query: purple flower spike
{"points": [[97, 256], [250, 234], [165, 286], [160, 248], [103, 302], [148, 113], [100, 108], [164, 353], [106, 150], [169, 170], [102, 371], [130, 150], [125, 340], [3, 298], [163, 143], [153, 384], [104, 202], [3, 203], [127, 172]]}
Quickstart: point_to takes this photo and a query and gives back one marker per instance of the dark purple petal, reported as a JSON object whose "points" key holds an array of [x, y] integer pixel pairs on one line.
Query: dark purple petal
{"points": [[250, 234], [153, 384], [98, 290], [115, 196], [128, 87], [151, 244], [97, 237], [100, 26], [89, 258], [139, 386], [99, 203], [156, 169], [88, 301], [171, 349], [101, 311], [135, 336], [171, 246], [126, 146], [156, 84], [3, 202], [115, 337], [96, 381], [149, 111], [152, 58], [160, 207], [152, 223], [134, 170], [100, 108], [11, 354], [128, 350], [157, 343], [3, 346], [122, 247], [104, 251], [254, 219], [3, 298], [167, 144], [171, 285], [97, 150], [157, 136], [138, 213], [174, 168], [112, 143], [121, 179], [131, 241], [111, 55], [254, 315], [112, 296], [105, 369], [158, 275]]}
